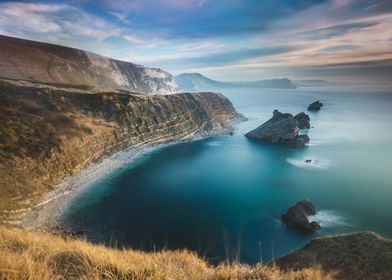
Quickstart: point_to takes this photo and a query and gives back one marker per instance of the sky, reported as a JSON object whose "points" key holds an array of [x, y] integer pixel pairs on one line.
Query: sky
{"points": [[343, 40]]}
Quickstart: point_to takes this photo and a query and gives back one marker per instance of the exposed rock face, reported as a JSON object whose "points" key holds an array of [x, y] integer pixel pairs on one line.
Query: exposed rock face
{"points": [[281, 129], [29, 60], [315, 106], [297, 216], [48, 133], [302, 120], [363, 255]]}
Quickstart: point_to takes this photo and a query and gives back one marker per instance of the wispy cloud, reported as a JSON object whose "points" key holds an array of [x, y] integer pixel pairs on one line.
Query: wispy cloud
{"points": [[244, 39], [23, 18], [133, 5], [28, 17]]}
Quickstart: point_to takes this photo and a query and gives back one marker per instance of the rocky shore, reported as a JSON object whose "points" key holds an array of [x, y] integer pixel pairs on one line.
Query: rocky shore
{"points": [[50, 133]]}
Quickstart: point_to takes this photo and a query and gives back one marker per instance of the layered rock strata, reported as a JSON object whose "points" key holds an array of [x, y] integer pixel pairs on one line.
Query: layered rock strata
{"points": [[37, 61], [48, 133], [280, 129]]}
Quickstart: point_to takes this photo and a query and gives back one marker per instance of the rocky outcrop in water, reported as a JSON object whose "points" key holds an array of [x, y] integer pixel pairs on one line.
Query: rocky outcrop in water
{"points": [[363, 255], [315, 106], [49, 132], [297, 216], [302, 120], [36, 61], [281, 129]]}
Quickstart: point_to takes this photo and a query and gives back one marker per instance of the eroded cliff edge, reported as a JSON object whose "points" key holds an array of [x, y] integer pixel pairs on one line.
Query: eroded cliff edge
{"points": [[43, 62], [49, 132]]}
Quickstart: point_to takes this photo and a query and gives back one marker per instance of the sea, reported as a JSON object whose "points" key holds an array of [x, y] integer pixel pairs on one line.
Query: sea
{"points": [[223, 197]]}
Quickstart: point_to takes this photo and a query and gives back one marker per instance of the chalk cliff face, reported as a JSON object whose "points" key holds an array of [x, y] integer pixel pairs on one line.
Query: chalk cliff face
{"points": [[29, 60], [49, 132]]}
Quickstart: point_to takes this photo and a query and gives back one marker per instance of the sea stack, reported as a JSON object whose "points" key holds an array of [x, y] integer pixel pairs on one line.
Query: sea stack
{"points": [[302, 119], [315, 106], [297, 216], [280, 129]]}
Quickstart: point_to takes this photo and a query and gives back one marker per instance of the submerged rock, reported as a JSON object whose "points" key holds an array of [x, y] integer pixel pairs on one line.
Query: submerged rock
{"points": [[297, 216], [282, 129], [302, 119], [315, 106]]}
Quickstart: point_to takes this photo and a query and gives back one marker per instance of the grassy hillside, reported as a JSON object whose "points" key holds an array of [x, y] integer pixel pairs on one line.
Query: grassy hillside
{"points": [[27, 255]]}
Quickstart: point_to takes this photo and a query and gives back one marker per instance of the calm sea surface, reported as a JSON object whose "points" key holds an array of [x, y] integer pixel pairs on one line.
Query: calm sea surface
{"points": [[223, 196]]}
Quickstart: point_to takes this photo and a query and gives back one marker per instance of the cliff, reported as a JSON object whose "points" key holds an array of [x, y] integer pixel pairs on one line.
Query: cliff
{"points": [[50, 132], [36, 61]]}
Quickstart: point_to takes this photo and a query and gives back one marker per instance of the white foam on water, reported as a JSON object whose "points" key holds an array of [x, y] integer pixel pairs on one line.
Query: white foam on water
{"points": [[213, 143], [311, 163], [329, 219]]}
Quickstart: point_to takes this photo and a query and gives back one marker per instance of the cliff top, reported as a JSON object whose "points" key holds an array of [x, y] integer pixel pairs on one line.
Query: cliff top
{"points": [[362, 255], [49, 63]]}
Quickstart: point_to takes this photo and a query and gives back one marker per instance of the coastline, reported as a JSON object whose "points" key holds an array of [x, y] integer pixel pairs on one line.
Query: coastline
{"points": [[46, 215]]}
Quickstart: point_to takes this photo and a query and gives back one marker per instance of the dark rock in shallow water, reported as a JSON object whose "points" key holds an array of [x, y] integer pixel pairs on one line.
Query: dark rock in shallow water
{"points": [[282, 129], [315, 106], [297, 216], [300, 141], [302, 120]]}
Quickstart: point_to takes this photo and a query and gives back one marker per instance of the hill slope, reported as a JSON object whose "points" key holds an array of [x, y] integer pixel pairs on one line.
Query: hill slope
{"points": [[30, 60], [363, 255], [197, 82], [26, 255]]}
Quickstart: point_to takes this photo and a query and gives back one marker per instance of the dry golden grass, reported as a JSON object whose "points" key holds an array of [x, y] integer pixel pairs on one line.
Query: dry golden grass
{"points": [[28, 255]]}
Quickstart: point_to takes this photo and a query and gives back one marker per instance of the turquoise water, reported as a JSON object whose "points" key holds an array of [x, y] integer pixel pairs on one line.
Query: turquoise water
{"points": [[223, 196]]}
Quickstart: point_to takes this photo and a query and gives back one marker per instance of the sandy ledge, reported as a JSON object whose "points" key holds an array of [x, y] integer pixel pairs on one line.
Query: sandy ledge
{"points": [[46, 215]]}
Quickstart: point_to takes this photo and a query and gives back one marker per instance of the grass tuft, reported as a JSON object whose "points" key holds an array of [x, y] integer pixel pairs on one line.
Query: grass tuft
{"points": [[41, 256]]}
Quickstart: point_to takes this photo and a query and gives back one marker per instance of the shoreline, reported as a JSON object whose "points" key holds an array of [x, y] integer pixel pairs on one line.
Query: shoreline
{"points": [[46, 215]]}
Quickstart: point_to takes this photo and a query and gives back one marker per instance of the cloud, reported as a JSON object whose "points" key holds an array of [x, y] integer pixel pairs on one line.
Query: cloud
{"points": [[242, 38], [29, 17], [90, 26], [376, 71], [335, 48], [146, 43], [121, 16], [23, 19], [139, 5], [338, 30], [134, 39], [234, 56]]}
